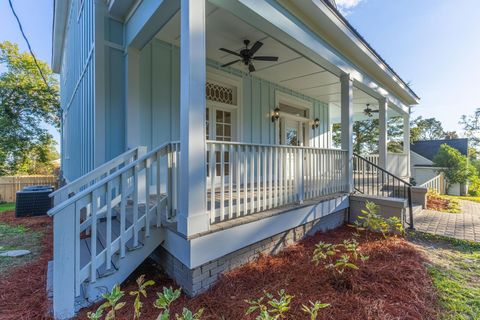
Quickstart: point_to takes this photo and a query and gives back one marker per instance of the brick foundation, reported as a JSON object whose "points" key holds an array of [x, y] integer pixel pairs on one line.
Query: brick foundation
{"points": [[197, 280]]}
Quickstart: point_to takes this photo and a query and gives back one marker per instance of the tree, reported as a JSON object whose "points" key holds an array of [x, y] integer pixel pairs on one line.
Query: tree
{"points": [[454, 165], [426, 129], [366, 133], [27, 104], [471, 125], [451, 135]]}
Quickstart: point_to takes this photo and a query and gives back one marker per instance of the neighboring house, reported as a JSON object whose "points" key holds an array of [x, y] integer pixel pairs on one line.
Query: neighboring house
{"points": [[422, 154], [233, 158]]}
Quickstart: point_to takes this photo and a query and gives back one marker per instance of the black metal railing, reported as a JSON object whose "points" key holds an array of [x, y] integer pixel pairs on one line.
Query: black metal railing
{"points": [[370, 179]]}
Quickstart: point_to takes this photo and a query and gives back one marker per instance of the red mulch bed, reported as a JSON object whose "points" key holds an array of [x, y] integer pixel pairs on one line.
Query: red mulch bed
{"points": [[392, 284], [22, 290], [437, 204]]}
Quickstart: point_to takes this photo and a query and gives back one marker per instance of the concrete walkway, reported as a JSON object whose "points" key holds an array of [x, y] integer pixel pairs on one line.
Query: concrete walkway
{"points": [[464, 225]]}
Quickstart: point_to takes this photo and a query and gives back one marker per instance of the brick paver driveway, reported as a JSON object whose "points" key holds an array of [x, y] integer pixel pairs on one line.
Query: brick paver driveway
{"points": [[464, 225]]}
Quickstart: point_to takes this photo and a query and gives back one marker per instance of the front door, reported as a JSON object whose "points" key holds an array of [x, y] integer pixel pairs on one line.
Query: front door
{"points": [[293, 133], [220, 127]]}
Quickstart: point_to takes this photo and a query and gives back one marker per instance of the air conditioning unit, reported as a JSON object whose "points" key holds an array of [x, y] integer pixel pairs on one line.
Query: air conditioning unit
{"points": [[33, 201]]}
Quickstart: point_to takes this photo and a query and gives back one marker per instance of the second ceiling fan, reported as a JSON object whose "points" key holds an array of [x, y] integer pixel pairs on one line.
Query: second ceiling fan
{"points": [[246, 56]]}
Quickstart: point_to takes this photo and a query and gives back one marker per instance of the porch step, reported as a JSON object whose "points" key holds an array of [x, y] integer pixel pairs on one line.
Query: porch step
{"points": [[121, 268]]}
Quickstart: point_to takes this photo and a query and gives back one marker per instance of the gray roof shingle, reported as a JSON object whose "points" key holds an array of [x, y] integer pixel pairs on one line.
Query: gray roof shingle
{"points": [[429, 148]]}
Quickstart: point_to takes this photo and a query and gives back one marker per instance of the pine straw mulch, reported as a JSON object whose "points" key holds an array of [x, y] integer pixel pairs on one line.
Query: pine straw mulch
{"points": [[22, 289], [437, 202], [392, 284]]}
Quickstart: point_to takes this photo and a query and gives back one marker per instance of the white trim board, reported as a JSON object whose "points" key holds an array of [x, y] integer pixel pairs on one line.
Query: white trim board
{"points": [[218, 244]]}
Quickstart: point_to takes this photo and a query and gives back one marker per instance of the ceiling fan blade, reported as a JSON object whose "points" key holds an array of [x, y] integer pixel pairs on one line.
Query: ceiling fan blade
{"points": [[251, 67], [265, 58], [230, 51], [230, 63], [255, 48]]}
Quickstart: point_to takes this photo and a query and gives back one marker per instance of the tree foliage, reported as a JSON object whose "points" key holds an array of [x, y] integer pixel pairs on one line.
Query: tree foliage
{"points": [[427, 129], [27, 106], [471, 125], [454, 165], [366, 134]]}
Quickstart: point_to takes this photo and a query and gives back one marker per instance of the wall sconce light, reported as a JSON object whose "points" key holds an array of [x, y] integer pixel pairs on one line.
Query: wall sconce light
{"points": [[316, 123], [276, 114]]}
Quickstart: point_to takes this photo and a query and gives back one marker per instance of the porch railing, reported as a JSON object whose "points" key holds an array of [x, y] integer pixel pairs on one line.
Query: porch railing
{"points": [[97, 174], [247, 178], [114, 209], [370, 179], [437, 183]]}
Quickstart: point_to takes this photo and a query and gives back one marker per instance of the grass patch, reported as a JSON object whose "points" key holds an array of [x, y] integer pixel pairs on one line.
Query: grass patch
{"points": [[18, 237], [4, 207], [455, 273]]}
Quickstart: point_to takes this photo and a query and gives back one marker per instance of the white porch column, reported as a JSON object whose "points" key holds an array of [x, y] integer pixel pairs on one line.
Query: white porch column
{"points": [[406, 140], [346, 103], [382, 139], [193, 216]]}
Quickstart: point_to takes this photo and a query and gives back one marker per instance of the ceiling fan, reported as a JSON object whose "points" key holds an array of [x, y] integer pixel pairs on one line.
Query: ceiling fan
{"points": [[368, 111], [247, 55]]}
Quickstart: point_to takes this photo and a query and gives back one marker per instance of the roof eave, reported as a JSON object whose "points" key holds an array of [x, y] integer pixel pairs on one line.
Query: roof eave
{"points": [[60, 17], [328, 23]]}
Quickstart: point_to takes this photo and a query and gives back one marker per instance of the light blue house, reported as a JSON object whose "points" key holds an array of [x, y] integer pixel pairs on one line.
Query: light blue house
{"points": [[169, 149]]}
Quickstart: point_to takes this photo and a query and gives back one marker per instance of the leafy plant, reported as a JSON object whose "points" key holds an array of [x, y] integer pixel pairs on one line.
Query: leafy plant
{"points": [[370, 220], [343, 263], [141, 290], [273, 309], [97, 315], [112, 302], [322, 251], [189, 315], [164, 300], [339, 258], [313, 308]]}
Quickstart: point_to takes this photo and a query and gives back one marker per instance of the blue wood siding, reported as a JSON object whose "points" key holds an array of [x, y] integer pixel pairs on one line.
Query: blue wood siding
{"points": [[160, 111], [77, 93], [114, 89]]}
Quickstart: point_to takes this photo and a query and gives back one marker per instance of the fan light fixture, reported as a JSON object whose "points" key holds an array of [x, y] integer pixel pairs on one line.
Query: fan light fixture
{"points": [[276, 114], [369, 112], [246, 56]]}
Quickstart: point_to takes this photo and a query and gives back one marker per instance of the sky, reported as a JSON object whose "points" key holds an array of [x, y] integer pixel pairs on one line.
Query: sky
{"points": [[432, 44]]}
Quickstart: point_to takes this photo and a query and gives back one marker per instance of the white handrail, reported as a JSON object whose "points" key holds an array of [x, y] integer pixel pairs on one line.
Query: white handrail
{"points": [[245, 178], [62, 205], [133, 197], [437, 183], [95, 175]]}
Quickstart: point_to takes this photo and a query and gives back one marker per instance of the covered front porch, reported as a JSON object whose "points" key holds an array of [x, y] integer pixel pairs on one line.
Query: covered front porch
{"points": [[251, 139]]}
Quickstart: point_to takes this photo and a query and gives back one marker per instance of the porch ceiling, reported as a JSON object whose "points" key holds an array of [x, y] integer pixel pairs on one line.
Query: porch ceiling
{"points": [[292, 70]]}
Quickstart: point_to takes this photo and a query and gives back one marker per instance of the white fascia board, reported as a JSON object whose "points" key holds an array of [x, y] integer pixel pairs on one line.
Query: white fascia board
{"points": [[428, 162], [120, 8], [60, 18], [273, 19], [149, 17]]}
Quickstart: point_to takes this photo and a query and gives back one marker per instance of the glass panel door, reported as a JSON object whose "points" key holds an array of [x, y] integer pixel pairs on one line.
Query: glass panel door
{"points": [[219, 126]]}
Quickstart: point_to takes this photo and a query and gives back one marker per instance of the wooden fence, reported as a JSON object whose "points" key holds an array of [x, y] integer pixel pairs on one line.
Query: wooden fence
{"points": [[9, 185]]}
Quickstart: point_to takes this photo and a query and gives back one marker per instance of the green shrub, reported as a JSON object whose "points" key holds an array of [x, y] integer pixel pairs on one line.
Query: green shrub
{"points": [[370, 220], [272, 309]]}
